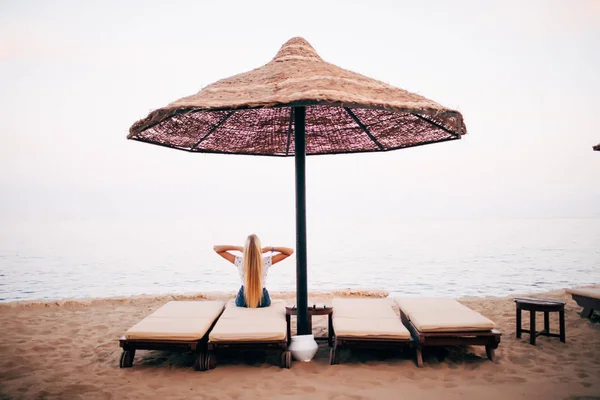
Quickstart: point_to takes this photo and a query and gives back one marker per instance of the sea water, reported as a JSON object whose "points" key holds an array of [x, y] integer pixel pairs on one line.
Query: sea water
{"points": [[44, 260]]}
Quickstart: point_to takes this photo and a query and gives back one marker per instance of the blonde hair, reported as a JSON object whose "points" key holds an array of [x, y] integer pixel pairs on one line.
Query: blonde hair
{"points": [[253, 268]]}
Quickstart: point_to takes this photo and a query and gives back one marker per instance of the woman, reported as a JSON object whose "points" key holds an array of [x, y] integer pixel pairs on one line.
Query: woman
{"points": [[253, 269]]}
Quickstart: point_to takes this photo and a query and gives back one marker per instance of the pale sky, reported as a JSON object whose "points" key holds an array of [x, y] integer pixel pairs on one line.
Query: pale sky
{"points": [[75, 75]]}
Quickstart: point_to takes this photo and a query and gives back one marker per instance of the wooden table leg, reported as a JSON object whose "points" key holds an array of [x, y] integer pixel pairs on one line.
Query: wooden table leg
{"points": [[547, 322], [288, 320], [532, 327], [330, 329], [563, 335], [518, 322]]}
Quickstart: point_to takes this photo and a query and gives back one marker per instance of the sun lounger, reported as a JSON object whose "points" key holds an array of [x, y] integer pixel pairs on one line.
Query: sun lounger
{"points": [[241, 328], [178, 325], [446, 322], [589, 299], [366, 323]]}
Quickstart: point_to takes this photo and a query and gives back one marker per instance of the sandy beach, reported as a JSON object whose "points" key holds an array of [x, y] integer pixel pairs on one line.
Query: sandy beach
{"points": [[69, 350]]}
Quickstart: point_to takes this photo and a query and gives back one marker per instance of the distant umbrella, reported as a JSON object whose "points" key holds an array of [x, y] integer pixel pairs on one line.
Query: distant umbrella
{"points": [[298, 105], [597, 147]]}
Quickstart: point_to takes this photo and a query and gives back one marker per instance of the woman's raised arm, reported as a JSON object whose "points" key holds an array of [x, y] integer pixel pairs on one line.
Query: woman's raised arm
{"points": [[284, 252], [224, 251]]}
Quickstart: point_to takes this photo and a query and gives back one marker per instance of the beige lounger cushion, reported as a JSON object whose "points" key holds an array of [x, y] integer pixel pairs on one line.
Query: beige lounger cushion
{"points": [[190, 309], [594, 293], [177, 320], [442, 315], [240, 324], [163, 328], [363, 308], [367, 318]]}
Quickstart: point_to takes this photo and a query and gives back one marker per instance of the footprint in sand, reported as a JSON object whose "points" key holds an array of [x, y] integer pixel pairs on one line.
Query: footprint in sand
{"points": [[64, 340], [78, 389], [412, 376], [64, 347], [512, 379], [155, 385], [346, 396], [288, 390], [519, 360], [15, 373]]}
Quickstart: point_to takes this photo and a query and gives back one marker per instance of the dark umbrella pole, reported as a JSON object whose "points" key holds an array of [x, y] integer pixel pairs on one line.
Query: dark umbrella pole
{"points": [[301, 276]]}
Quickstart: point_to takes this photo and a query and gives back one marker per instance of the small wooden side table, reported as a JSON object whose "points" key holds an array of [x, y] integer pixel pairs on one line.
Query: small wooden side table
{"points": [[314, 310], [547, 306]]}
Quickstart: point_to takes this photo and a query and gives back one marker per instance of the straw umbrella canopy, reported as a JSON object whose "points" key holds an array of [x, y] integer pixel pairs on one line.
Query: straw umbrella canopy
{"points": [[298, 105], [597, 147]]}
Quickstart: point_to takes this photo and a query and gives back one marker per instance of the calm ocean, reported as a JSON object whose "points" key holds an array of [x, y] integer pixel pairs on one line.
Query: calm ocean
{"points": [[429, 257]]}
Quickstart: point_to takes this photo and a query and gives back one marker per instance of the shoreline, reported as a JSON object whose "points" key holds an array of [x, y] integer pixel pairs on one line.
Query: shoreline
{"points": [[209, 295], [69, 349], [230, 295]]}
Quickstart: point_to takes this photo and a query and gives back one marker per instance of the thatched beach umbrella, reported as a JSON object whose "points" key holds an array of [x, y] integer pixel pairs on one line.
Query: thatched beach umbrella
{"points": [[298, 105]]}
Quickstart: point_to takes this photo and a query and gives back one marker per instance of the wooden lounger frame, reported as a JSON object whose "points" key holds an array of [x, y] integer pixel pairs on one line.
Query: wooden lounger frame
{"points": [[589, 304], [266, 345], [490, 339], [340, 342], [199, 347]]}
